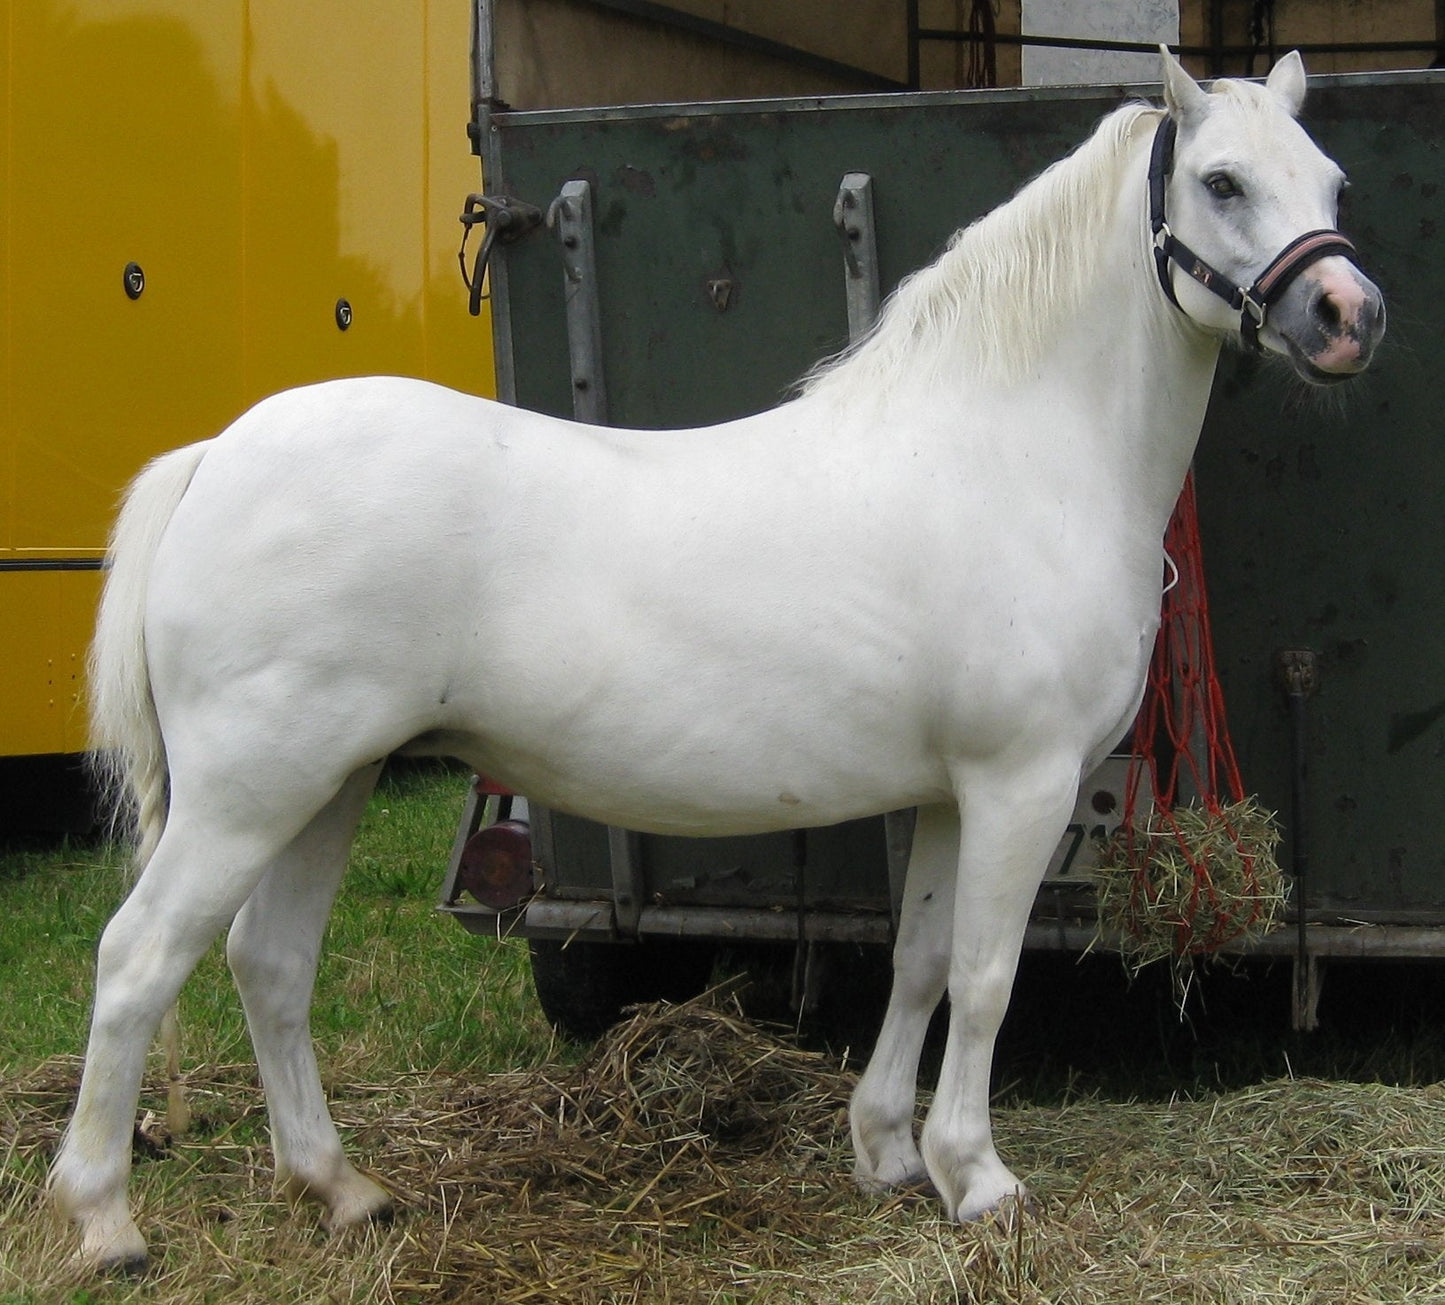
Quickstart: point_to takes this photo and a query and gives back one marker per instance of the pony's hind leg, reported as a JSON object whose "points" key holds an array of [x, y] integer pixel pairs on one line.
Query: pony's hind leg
{"points": [[273, 949], [195, 881], [881, 1111]]}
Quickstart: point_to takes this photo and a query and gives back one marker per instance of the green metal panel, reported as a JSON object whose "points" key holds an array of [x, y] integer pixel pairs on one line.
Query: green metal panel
{"points": [[1321, 524], [1319, 512], [690, 195]]}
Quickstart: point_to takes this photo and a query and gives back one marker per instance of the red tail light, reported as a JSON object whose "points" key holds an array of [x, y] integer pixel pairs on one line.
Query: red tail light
{"points": [[496, 865]]}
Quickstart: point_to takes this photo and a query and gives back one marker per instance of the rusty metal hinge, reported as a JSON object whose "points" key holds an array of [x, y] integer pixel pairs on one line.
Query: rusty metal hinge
{"points": [[507, 220]]}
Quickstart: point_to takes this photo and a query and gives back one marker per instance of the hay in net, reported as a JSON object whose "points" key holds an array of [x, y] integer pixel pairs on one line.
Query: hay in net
{"points": [[1190, 881], [1192, 867]]}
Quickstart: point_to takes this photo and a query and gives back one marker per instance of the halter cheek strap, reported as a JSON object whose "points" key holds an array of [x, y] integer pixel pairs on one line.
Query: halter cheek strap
{"points": [[1251, 304]]}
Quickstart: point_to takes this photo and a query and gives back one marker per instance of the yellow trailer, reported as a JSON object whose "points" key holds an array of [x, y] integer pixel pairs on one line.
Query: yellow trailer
{"points": [[203, 203]]}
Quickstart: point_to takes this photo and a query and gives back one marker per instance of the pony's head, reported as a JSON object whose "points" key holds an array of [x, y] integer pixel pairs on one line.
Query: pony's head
{"points": [[1251, 207]]}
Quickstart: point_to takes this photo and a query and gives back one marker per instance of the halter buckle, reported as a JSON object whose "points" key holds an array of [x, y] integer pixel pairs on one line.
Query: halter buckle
{"points": [[1251, 306]]}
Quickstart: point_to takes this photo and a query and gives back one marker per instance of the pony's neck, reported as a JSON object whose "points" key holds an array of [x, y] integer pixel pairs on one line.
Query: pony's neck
{"points": [[1146, 368], [1048, 308], [1112, 350]]}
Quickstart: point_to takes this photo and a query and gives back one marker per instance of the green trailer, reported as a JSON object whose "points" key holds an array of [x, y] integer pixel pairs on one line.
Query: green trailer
{"points": [[675, 265]]}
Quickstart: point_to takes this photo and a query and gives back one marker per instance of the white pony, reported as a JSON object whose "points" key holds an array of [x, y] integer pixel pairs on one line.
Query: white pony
{"points": [[932, 579]]}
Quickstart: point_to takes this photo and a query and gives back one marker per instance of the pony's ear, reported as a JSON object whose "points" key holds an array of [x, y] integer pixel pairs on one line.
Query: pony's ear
{"points": [[1286, 82], [1183, 96]]}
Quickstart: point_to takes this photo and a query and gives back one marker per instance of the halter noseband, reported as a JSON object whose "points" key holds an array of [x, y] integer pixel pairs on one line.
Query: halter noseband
{"points": [[1254, 303]]}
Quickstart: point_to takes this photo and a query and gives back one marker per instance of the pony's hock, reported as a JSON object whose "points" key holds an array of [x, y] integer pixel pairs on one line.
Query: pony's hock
{"points": [[930, 580]]}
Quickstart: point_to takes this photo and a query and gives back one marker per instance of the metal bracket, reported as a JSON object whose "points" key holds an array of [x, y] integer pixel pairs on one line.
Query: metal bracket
{"points": [[474, 814], [898, 829], [1299, 677], [853, 216], [1298, 672], [1309, 979], [507, 220], [570, 217], [628, 885]]}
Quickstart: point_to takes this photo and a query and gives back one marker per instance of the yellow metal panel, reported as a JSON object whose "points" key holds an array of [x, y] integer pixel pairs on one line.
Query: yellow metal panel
{"points": [[260, 160], [357, 164], [123, 148], [7, 178], [335, 156], [43, 637]]}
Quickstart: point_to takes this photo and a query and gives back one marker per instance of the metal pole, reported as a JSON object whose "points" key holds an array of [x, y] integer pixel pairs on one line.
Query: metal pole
{"points": [[914, 36], [1299, 676], [854, 218], [1216, 38], [484, 70], [486, 144]]}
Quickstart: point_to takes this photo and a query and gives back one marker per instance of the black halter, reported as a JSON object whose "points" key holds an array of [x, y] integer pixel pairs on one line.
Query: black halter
{"points": [[1251, 304]]}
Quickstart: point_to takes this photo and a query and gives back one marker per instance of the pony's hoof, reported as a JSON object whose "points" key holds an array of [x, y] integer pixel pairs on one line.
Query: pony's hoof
{"points": [[128, 1266], [363, 1202], [347, 1197], [384, 1217], [113, 1252], [1006, 1210], [912, 1182], [130, 1261]]}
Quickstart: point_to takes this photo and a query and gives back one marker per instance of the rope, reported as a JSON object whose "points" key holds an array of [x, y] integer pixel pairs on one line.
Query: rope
{"points": [[1183, 753]]}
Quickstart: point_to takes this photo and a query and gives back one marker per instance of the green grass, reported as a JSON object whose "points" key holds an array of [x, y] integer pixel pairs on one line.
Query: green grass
{"points": [[394, 974], [403, 994]]}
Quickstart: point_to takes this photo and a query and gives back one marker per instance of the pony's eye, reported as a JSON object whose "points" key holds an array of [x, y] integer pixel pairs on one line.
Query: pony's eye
{"points": [[1221, 185]]}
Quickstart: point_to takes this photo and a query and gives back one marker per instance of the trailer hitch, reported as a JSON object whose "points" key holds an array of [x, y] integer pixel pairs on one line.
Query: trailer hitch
{"points": [[507, 220]]}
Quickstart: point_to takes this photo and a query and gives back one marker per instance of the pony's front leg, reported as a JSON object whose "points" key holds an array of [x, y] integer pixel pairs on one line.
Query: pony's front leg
{"points": [[881, 1112], [1012, 822], [273, 949]]}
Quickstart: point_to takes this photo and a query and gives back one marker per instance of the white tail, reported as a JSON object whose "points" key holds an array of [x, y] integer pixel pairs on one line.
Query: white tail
{"points": [[128, 756], [127, 752]]}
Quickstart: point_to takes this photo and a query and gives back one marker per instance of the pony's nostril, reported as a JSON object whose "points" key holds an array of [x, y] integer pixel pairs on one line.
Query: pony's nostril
{"points": [[1328, 315]]}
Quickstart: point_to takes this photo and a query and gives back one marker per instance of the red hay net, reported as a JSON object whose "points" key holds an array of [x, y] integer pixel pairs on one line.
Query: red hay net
{"points": [[1181, 853]]}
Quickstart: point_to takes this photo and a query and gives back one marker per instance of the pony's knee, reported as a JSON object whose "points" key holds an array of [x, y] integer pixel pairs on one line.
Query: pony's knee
{"points": [[979, 989], [122, 950], [920, 977]]}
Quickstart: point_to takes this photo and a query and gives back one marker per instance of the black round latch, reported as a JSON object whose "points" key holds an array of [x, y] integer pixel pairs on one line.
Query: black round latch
{"points": [[134, 280], [343, 313]]}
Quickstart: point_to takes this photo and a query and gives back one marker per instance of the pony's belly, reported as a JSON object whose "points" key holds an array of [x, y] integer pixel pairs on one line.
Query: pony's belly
{"points": [[704, 774], [722, 805]]}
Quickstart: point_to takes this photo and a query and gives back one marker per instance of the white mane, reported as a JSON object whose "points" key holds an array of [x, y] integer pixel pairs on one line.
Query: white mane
{"points": [[992, 300]]}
